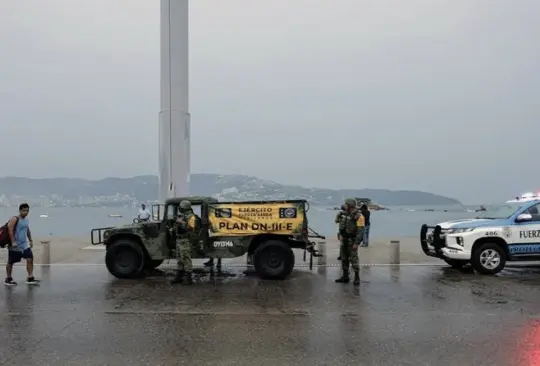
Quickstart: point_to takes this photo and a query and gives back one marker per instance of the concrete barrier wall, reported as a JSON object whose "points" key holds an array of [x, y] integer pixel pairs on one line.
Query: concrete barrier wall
{"points": [[79, 250]]}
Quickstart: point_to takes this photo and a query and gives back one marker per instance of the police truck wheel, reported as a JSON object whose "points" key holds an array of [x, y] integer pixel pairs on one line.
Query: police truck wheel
{"points": [[488, 258], [455, 263], [124, 259], [273, 260]]}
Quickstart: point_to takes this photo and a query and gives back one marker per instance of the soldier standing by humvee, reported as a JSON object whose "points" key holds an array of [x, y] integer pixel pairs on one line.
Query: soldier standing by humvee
{"points": [[187, 229], [339, 216], [351, 232]]}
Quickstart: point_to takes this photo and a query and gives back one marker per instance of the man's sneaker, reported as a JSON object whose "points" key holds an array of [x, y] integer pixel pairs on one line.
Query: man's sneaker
{"points": [[9, 282], [32, 281]]}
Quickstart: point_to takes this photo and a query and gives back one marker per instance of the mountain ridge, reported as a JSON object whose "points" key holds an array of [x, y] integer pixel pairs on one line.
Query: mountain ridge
{"points": [[224, 187]]}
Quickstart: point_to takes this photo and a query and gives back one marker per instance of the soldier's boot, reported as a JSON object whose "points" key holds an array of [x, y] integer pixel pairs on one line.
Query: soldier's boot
{"points": [[187, 279], [218, 267], [209, 263], [179, 277], [356, 281], [344, 277]]}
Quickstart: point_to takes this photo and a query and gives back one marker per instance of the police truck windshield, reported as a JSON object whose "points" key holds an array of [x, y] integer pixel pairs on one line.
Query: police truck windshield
{"points": [[501, 211]]}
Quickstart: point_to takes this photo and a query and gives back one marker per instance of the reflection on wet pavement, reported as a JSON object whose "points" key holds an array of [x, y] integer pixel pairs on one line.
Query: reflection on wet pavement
{"points": [[398, 316]]}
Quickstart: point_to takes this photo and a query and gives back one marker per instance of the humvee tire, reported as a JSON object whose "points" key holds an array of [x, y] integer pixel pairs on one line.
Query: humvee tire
{"points": [[456, 263], [124, 259], [153, 264], [273, 260]]}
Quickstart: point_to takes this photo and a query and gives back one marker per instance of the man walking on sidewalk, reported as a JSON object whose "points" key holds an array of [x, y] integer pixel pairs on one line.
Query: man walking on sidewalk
{"points": [[21, 246], [365, 212]]}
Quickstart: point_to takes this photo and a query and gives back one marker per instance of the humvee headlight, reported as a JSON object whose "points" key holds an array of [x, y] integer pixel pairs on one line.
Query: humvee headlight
{"points": [[106, 234]]}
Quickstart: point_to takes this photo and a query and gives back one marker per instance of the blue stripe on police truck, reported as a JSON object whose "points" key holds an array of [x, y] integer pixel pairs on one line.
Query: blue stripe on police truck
{"points": [[531, 248]]}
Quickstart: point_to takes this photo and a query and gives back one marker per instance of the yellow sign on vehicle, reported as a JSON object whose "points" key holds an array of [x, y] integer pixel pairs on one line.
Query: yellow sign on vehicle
{"points": [[242, 219]]}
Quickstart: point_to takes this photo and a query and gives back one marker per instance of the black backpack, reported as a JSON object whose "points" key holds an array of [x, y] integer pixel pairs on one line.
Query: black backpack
{"points": [[5, 240]]}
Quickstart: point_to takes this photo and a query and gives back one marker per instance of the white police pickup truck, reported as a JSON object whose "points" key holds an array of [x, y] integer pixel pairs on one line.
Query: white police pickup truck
{"points": [[504, 232]]}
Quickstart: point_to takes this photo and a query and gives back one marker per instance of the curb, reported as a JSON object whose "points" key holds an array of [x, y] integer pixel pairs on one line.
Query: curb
{"points": [[244, 265]]}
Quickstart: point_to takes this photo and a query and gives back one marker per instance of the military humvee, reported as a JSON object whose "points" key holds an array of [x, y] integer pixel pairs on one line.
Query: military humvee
{"points": [[266, 231]]}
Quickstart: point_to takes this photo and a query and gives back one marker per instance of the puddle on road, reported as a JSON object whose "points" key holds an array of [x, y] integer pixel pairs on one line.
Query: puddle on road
{"points": [[491, 295], [511, 286]]}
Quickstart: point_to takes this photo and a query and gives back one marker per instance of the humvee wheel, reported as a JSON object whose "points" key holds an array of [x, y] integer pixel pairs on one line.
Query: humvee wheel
{"points": [[154, 263], [273, 260], [124, 259]]}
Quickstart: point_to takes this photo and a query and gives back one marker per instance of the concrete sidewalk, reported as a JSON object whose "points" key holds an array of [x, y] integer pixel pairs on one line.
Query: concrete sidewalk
{"points": [[79, 250], [62, 250], [422, 315]]}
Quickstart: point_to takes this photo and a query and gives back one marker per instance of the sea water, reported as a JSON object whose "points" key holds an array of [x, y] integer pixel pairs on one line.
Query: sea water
{"points": [[397, 222]]}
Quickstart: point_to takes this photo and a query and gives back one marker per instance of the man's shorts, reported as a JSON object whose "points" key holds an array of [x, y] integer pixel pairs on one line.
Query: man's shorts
{"points": [[16, 256]]}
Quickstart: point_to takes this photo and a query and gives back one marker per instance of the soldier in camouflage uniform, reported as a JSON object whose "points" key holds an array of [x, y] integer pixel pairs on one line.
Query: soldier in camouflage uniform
{"points": [[351, 231], [187, 229], [339, 216]]}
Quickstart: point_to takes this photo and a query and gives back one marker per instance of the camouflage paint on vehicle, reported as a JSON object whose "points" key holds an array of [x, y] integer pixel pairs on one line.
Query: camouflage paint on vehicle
{"points": [[160, 243], [225, 247], [150, 234]]}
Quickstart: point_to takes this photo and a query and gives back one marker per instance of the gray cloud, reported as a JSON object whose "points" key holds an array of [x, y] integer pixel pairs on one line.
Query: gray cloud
{"points": [[432, 95]]}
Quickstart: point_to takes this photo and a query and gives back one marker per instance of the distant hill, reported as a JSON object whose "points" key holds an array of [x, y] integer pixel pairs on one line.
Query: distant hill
{"points": [[224, 187]]}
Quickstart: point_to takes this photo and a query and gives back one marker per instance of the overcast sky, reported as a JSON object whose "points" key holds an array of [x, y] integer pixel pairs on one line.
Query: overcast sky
{"points": [[435, 95]]}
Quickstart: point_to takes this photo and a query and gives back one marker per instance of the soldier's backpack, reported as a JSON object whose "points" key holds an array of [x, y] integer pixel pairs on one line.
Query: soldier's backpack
{"points": [[5, 240]]}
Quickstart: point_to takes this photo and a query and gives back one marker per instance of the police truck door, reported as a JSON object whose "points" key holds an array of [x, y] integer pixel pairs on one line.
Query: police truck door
{"points": [[525, 238]]}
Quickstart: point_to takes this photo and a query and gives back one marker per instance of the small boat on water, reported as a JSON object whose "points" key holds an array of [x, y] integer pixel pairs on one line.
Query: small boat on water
{"points": [[481, 209], [115, 215], [372, 206], [43, 216]]}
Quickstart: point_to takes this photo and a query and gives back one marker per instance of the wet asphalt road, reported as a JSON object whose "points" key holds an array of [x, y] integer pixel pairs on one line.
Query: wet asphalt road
{"points": [[80, 315]]}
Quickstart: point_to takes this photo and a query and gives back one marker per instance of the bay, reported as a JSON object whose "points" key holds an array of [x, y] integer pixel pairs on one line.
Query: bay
{"points": [[78, 221]]}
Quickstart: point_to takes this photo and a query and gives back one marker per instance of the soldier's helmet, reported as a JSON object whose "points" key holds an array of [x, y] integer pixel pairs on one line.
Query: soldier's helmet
{"points": [[185, 205], [351, 202]]}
